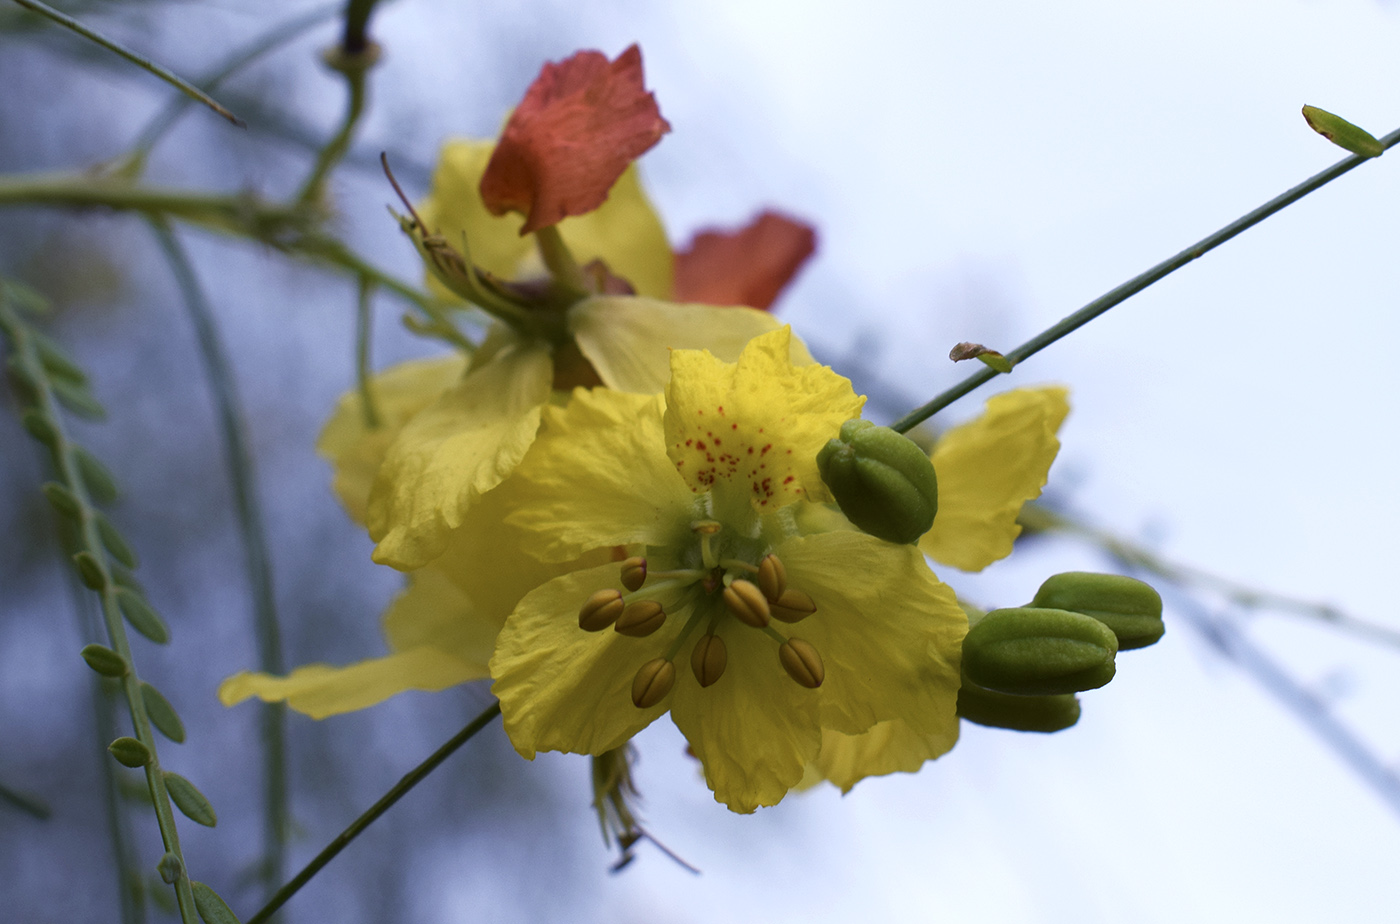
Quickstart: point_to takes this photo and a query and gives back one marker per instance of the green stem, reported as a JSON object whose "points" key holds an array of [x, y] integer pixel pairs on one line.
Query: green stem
{"points": [[70, 474], [1135, 285], [182, 85], [252, 532], [330, 155], [400, 789], [560, 260], [368, 410], [356, 36], [30, 805]]}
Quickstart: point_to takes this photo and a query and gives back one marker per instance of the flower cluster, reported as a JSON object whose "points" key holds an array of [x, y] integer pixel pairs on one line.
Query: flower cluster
{"points": [[612, 508]]}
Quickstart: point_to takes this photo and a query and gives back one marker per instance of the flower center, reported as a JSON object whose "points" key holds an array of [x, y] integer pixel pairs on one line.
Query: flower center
{"points": [[717, 578]]}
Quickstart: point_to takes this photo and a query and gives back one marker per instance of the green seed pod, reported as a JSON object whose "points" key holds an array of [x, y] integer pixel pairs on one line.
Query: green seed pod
{"points": [[1018, 713], [1131, 608], [1039, 652], [883, 482], [105, 661], [129, 752], [1342, 133]]}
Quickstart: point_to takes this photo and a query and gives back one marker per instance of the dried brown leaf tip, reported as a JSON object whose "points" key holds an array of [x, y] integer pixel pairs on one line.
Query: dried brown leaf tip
{"points": [[750, 266], [581, 123], [969, 350]]}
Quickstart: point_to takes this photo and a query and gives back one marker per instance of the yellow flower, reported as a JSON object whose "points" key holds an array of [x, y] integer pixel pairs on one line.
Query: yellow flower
{"points": [[779, 634]]}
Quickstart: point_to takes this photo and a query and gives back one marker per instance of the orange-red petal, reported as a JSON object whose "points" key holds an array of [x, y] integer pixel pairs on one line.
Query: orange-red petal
{"points": [[581, 123], [745, 267]]}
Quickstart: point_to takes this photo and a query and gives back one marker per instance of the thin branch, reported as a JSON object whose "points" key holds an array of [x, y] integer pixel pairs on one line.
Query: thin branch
{"points": [[147, 64], [400, 789], [1135, 285]]}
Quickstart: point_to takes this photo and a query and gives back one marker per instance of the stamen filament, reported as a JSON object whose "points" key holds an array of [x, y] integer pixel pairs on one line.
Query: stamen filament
{"points": [[775, 635], [730, 564], [686, 631]]}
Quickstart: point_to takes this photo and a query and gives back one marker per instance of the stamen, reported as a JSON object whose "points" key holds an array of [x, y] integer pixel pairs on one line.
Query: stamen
{"points": [[706, 530], [653, 682], [634, 572], [641, 619], [709, 659], [802, 663], [772, 577], [793, 606], [600, 610], [747, 603]]}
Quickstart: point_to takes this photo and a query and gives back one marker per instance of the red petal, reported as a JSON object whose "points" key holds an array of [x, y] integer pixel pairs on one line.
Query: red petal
{"points": [[745, 267], [581, 123]]}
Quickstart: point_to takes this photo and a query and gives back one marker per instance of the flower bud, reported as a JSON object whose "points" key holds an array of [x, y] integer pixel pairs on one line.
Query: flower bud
{"points": [[1131, 608], [883, 482], [1018, 713], [1039, 652]]}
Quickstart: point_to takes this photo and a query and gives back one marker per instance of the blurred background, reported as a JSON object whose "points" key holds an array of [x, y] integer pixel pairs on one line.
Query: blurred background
{"points": [[976, 172]]}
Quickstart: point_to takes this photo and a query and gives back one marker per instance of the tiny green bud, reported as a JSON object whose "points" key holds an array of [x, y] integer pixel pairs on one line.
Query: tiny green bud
{"points": [[189, 800], [170, 868], [1028, 651], [883, 483], [129, 752], [1018, 713], [1131, 608], [1342, 133], [212, 909], [90, 570], [105, 661]]}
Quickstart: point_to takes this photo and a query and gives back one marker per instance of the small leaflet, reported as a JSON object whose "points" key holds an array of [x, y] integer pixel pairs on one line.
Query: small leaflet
{"points": [[1342, 133]]}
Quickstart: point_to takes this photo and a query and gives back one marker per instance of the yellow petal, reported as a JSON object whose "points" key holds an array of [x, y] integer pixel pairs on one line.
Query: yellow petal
{"points": [[453, 451], [889, 632], [890, 747], [629, 340], [320, 690], [564, 689], [356, 450], [987, 470], [597, 476], [624, 231], [754, 729], [755, 425]]}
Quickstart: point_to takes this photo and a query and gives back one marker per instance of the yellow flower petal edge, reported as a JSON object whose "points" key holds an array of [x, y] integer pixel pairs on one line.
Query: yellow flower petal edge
{"points": [[624, 232], [356, 450], [987, 469], [757, 423], [451, 453], [628, 340], [593, 478], [890, 747]]}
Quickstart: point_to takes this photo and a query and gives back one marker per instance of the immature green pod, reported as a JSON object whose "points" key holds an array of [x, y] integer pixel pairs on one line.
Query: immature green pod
{"points": [[1018, 713], [883, 483], [129, 752], [1131, 608], [1029, 651], [1342, 133]]}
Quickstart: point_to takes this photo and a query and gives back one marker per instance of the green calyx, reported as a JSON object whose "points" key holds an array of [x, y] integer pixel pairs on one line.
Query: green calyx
{"points": [[1028, 651], [1131, 608], [883, 483]]}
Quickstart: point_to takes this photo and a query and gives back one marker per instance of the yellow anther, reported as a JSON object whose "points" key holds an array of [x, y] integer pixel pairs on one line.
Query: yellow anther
{"points": [[772, 577], [634, 572], [706, 527], [802, 663], [793, 606], [747, 602], [641, 618], [600, 610], [709, 658], [653, 682]]}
